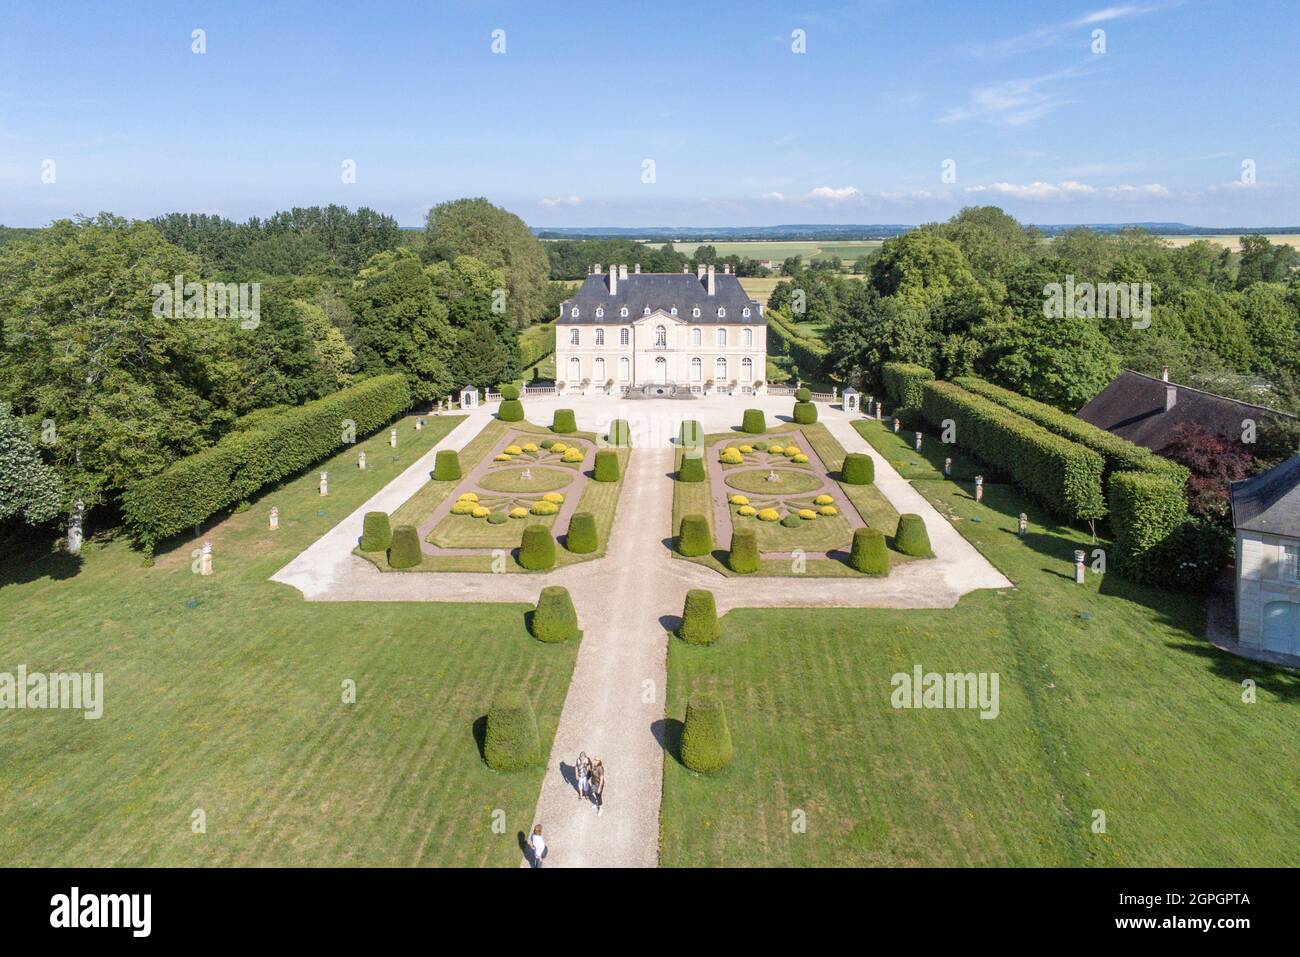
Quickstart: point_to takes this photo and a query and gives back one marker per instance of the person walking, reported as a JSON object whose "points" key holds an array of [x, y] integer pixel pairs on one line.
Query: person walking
{"points": [[583, 769], [598, 784], [538, 844]]}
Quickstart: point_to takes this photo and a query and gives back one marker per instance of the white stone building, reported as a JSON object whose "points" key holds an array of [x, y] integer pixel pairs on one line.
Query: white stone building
{"points": [[1266, 513], [660, 333]]}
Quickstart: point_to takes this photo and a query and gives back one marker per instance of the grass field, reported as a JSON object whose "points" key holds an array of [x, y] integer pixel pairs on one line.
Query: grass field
{"points": [[1234, 242], [847, 250], [223, 694], [1127, 712]]}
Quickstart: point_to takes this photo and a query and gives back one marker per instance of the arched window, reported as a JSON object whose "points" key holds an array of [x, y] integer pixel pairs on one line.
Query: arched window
{"points": [[694, 312], [622, 337], [623, 312], [574, 312], [745, 312], [746, 369], [747, 337], [720, 370], [661, 369], [645, 311], [598, 370], [697, 337], [624, 369], [600, 337], [722, 337], [661, 337], [575, 369], [573, 337], [697, 369], [600, 312], [722, 312], [673, 311]]}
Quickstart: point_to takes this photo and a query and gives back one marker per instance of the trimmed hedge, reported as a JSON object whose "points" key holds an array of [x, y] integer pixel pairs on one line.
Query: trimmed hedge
{"points": [[744, 556], [805, 413], [1063, 476], [694, 538], [903, 383], [692, 467], [699, 618], [811, 356], [1119, 455], [537, 549], [511, 742], [581, 538], [691, 434], [446, 466], [868, 553], [753, 422], [1145, 511], [620, 434], [858, 469], [281, 444], [404, 551], [803, 394], [511, 410], [554, 619], [912, 537], [606, 466], [564, 422], [706, 740], [376, 532]]}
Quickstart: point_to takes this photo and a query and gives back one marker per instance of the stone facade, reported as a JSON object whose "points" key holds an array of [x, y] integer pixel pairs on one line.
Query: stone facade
{"points": [[1268, 592]]}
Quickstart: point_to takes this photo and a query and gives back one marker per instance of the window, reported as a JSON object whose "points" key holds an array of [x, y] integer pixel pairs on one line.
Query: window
{"points": [[720, 370], [673, 311], [747, 337], [624, 369], [598, 371], [722, 313], [697, 337], [697, 369], [575, 369], [645, 311], [623, 312], [600, 312], [1291, 562], [745, 312], [694, 312], [600, 337], [573, 337], [661, 337], [622, 337], [747, 369], [722, 338], [574, 312]]}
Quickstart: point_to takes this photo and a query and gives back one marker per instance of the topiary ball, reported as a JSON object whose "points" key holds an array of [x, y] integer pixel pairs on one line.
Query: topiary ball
{"points": [[554, 619], [868, 553], [446, 466], [791, 520], [743, 558], [912, 537], [694, 538], [620, 434], [537, 549], [404, 551], [546, 443], [753, 422], [803, 394], [858, 469], [510, 391], [699, 618], [497, 518], [511, 741], [581, 537], [376, 532], [692, 468], [564, 422], [706, 740], [805, 413], [606, 466]]}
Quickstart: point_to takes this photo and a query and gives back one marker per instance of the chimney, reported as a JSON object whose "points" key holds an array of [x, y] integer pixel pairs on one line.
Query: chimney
{"points": [[699, 271], [596, 269], [1164, 373], [686, 270], [1171, 397], [712, 285], [622, 271], [637, 267], [613, 280]]}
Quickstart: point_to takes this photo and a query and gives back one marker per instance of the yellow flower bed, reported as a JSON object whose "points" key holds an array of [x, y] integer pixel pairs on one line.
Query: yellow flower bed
{"points": [[769, 515], [800, 459], [481, 511], [544, 508], [828, 510], [501, 458], [573, 455], [775, 450], [463, 507], [739, 500], [824, 499], [807, 514], [512, 450], [746, 449], [553, 497], [746, 510], [792, 450], [529, 447], [467, 497], [731, 457], [518, 512], [559, 447]]}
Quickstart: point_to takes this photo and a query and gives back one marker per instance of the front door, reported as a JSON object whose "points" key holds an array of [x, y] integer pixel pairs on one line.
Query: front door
{"points": [[661, 370]]}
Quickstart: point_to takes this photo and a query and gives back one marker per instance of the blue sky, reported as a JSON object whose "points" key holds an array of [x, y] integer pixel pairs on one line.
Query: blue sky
{"points": [[741, 129]]}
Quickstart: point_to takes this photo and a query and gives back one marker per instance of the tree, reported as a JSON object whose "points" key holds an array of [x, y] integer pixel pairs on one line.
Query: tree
{"points": [[1261, 261], [29, 488], [921, 268], [1063, 362], [1214, 463], [471, 293], [498, 239], [1273, 325]]}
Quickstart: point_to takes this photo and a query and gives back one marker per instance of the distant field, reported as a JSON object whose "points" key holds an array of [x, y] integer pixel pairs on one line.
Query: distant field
{"points": [[846, 250], [1234, 242]]}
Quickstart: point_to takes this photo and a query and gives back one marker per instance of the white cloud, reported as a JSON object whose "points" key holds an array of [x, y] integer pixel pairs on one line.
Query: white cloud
{"points": [[1062, 30], [1068, 189], [834, 194], [551, 201], [1014, 102]]}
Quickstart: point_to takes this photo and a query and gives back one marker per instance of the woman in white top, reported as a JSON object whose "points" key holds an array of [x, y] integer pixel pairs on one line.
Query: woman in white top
{"points": [[538, 844]]}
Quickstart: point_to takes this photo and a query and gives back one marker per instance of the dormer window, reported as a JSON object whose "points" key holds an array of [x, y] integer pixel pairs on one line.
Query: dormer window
{"points": [[600, 312], [646, 311], [673, 311], [722, 313], [695, 312], [745, 312], [574, 312], [623, 312]]}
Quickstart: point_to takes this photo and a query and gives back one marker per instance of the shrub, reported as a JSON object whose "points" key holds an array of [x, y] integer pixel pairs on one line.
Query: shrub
{"points": [[519, 512], [739, 500], [824, 499], [620, 434], [827, 510], [606, 466], [564, 422], [769, 515], [761, 446], [746, 449], [775, 450], [529, 447], [556, 497], [743, 557], [791, 451], [467, 497], [581, 538], [691, 434], [376, 532], [446, 466], [241, 464], [694, 538], [706, 741], [543, 507], [912, 537], [1063, 476], [753, 422], [511, 742], [537, 551], [692, 468], [807, 514], [731, 457], [463, 507], [903, 383], [559, 448], [791, 520], [868, 553], [1145, 510], [511, 409], [554, 619], [404, 550], [803, 394], [496, 518], [858, 469], [509, 391], [747, 511], [546, 443], [513, 450], [805, 413], [573, 455], [481, 511], [699, 618]]}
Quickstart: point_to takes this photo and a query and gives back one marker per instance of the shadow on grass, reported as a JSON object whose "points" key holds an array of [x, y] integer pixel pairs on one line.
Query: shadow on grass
{"points": [[479, 730], [668, 734], [35, 566], [1281, 681]]}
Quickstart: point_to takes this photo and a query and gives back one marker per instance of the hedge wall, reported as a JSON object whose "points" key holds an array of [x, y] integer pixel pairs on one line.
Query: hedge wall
{"points": [[1145, 510], [783, 338], [1064, 476], [903, 382], [195, 488], [1118, 455]]}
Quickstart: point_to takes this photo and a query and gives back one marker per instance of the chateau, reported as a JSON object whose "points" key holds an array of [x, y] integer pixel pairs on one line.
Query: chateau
{"points": [[661, 333]]}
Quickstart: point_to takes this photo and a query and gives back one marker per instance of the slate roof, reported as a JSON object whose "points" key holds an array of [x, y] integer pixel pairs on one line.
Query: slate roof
{"points": [[1269, 502], [662, 290], [1132, 406]]}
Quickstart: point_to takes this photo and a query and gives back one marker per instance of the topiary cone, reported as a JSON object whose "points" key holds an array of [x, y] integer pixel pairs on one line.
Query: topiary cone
{"points": [[692, 467], [404, 551], [858, 469], [446, 466], [744, 556], [620, 434], [511, 741], [564, 422], [805, 413], [912, 537], [376, 532], [868, 553], [537, 549], [606, 466], [753, 422], [694, 538], [692, 434], [581, 537], [699, 618], [706, 740], [554, 619]]}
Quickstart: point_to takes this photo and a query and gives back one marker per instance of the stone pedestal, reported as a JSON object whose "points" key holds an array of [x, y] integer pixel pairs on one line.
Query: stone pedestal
{"points": [[918, 441], [392, 438], [205, 559], [947, 466], [361, 460], [275, 518], [979, 488], [1024, 524], [896, 426], [1078, 566], [324, 483]]}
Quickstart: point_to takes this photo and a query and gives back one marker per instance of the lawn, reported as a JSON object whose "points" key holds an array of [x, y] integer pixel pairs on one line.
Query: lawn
{"points": [[1126, 712], [224, 693]]}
